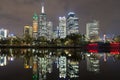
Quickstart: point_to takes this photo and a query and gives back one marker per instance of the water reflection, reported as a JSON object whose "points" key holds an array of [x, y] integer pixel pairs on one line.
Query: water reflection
{"points": [[93, 62], [60, 64]]}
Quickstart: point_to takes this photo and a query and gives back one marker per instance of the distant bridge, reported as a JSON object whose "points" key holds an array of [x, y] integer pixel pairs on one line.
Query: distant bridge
{"points": [[103, 47]]}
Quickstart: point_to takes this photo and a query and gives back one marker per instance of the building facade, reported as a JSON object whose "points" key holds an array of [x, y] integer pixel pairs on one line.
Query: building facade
{"points": [[62, 27], [28, 31], [92, 31], [35, 25], [3, 33], [56, 33], [49, 30], [72, 24], [42, 27]]}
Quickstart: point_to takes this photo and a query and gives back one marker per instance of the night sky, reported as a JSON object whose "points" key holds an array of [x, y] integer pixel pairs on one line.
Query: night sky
{"points": [[15, 14]]}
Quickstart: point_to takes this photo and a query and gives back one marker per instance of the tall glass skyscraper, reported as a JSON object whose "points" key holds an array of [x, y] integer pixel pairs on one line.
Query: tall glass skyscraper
{"points": [[3, 33], [42, 27], [92, 31], [35, 25], [49, 30], [62, 27], [72, 24]]}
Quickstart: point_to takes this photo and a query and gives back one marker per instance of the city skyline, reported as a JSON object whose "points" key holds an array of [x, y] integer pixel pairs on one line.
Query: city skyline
{"points": [[15, 15]]}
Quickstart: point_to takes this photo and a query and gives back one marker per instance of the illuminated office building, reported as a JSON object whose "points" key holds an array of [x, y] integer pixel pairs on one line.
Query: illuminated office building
{"points": [[72, 24], [3, 33], [35, 25], [62, 27], [56, 33], [42, 27], [49, 30], [28, 31], [92, 31]]}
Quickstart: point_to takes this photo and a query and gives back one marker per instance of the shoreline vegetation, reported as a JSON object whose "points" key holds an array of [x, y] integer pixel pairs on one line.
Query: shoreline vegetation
{"points": [[86, 47], [35, 46], [77, 41]]}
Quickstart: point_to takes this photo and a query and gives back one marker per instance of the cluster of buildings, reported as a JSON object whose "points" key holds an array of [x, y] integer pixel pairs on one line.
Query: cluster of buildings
{"points": [[67, 25], [42, 27]]}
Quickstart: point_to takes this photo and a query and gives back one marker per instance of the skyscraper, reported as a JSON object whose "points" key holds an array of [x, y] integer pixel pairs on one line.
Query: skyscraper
{"points": [[42, 28], [72, 24], [56, 33], [3, 33], [92, 31], [49, 30], [28, 31], [35, 25], [62, 27]]}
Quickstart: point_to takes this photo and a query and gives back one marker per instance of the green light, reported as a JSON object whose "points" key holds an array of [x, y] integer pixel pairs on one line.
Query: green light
{"points": [[35, 77], [35, 16]]}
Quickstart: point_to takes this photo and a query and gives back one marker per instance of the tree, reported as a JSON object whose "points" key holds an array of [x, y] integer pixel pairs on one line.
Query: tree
{"points": [[57, 42], [42, 41], [28, 39], [117, 38], [75, 38]]}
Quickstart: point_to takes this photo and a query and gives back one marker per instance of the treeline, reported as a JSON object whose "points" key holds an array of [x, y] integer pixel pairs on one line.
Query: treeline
{"points": [[73, 40]]}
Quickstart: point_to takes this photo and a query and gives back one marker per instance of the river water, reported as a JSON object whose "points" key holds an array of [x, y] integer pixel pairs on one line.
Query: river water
{"points": [[58, 64]]}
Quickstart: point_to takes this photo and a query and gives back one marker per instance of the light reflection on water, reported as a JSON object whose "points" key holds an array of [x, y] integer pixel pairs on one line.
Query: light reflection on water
{"points": [[62, 64]]}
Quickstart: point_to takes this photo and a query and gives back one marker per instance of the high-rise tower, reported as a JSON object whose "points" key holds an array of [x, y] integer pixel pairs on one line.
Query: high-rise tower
{"points": [[3, 33], [28, 31], [62, 27], [42, 27], [35, 25], [72, 24], [49, 30], [92, 31]]}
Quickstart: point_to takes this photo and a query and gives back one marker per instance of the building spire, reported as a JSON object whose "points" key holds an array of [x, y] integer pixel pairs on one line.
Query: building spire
{"points": [[43, 10]]}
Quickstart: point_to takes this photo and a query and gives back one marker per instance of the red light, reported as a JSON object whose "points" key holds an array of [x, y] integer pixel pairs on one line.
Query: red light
{"points": [[114, 52], [92, 47], [93, 51], [115, 48]]}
